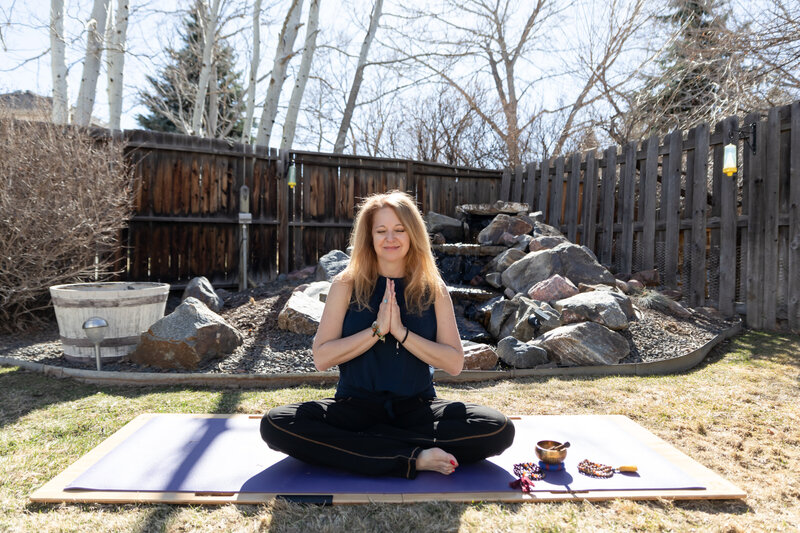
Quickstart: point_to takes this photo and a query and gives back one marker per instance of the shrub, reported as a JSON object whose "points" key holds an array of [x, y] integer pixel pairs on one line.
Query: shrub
{"points": [[64, 199]]}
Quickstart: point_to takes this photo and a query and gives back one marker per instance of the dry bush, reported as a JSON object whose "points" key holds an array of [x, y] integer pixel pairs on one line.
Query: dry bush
{"points": [[64, 198]]}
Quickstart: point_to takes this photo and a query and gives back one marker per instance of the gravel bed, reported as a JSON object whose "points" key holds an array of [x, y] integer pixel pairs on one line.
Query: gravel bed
{"points": [[653, 336]]}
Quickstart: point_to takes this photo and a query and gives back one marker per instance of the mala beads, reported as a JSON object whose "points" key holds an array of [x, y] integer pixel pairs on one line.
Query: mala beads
{"points": [[588, 468], [527, 473], [529, 470]]}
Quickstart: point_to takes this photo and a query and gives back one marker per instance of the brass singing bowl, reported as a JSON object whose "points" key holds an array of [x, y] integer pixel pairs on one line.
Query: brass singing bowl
{"points": [[546, 453]]}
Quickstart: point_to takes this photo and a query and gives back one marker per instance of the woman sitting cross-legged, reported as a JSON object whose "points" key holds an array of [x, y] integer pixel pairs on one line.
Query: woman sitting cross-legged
{"points": [[388, 321]]}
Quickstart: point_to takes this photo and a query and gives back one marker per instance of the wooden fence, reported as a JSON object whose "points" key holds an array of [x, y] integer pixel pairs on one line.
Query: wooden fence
{"points": [[728, 242]]}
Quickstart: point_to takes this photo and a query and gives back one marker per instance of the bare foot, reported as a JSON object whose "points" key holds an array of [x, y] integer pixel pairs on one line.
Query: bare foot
{"points": [[436, 460]]}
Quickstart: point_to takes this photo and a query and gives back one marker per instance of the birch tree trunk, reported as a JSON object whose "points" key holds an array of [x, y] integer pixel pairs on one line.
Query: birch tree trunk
{"points": [[213, 101], [283, 54], [58, 65], [290, 124], [251, 87], [338, 146], [209, 21], [116, 62], [91, 64]]}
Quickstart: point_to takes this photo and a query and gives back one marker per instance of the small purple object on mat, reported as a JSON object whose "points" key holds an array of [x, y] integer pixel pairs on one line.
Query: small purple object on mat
{"points": [[182, 453]]}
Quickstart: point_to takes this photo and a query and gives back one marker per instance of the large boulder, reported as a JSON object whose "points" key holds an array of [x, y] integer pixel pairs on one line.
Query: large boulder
{"points": [[331, 264], [569, 260], [202, 289], [186, 338], [500, 312], [505, 260], [541, 229], [478, 356], [528, 313], [545, 242], [318, 290], [598, 306], [452, 229], [556, 287], [584, 344], [520, 354], [502, 224], [301, 314], [511, 208]]}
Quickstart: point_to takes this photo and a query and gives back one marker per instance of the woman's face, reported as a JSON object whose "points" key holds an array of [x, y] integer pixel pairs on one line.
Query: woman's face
{"points": [[389, 236]]}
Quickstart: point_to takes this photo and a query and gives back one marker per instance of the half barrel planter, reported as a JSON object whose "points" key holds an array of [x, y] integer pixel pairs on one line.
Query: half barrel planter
{"points": [[130, 308]]}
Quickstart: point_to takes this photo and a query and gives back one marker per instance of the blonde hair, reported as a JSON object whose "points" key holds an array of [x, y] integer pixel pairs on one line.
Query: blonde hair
{"points": [[421, 274]]}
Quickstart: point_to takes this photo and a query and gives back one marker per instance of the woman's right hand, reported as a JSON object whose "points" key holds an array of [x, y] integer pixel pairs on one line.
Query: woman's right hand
{"points": [[385, 309]]}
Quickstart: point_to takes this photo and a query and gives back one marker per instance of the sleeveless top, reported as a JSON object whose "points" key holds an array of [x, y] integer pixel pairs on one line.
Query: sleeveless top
{"points": [[387, 371]]}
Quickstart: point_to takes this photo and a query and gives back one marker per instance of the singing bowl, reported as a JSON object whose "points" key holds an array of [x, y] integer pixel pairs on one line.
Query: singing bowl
{"points": [[546, 454]]}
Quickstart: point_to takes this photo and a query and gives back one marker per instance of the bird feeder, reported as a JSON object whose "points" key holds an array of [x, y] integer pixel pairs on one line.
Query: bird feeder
{"points": [[291, 175]]}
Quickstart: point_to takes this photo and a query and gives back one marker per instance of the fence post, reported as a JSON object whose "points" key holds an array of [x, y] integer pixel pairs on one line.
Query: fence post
{"points": [[727, 231], [283, 212], [648, 191], [793, 289], [607, 187], [627, 194], [771, 207], [697, 293], [672, 184]]}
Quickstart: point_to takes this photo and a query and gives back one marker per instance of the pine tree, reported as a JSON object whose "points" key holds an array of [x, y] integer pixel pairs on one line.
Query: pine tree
{"points": [[173, 90], [690, 84]]}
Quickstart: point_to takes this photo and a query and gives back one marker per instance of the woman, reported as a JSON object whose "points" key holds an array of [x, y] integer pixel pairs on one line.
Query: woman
{"points": [[388, 320]]}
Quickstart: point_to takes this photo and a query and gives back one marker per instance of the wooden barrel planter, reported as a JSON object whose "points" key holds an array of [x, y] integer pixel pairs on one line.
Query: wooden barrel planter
{"points": [[130, 308]]}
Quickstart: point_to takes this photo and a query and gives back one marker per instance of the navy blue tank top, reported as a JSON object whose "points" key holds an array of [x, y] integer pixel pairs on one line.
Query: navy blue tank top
{"points": [[387, 370]]}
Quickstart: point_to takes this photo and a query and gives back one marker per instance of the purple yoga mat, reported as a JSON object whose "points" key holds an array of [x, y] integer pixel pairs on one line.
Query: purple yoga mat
{"points": [[182, 453]]}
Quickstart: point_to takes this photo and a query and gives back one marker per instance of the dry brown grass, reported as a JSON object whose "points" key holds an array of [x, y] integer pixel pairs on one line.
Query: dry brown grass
{"points": [[736, 414]]}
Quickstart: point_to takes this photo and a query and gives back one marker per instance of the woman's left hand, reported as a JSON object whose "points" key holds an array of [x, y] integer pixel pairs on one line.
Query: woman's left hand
{"points": [[396, 328]]}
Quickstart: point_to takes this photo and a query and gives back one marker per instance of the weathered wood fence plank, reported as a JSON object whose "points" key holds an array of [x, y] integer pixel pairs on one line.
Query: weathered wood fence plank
{"points": [[671, 190], [793, 292], [727, 231]]}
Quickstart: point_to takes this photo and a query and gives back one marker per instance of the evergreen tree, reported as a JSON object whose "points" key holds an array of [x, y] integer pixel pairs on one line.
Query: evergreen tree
{"points": [[172, 94], [689, 86]]}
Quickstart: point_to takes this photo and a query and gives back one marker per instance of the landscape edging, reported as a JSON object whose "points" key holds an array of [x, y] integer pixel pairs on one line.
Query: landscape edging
{"points": [[102, 377]]}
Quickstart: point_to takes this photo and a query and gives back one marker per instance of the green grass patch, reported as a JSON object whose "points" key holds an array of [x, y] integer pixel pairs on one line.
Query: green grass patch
{"points": [[736, 414]]}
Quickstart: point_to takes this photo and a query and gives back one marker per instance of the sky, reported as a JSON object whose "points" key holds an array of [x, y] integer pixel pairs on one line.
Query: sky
{"points": [[25, 58]]}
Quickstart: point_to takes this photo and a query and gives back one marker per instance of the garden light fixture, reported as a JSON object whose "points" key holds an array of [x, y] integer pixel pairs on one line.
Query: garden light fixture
{"points": [[95, 330], [729, 160]]}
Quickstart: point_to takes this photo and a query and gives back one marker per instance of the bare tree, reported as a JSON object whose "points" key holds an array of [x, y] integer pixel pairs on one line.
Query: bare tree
{"points": [[58, 65], [116, 62], [283, 54], [290, 123], [91, 63], [208, 22], [347, 116], [250, 101]]}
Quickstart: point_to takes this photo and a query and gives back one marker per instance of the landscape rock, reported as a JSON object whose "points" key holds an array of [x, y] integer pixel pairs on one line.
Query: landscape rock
{"points": [[478, 356], [527, 315], [500, 313], [202, 289], [546, 242], [331, 264], [318, 290], [648, 277], [521, 242], [509, 208], [520, 354], [494, 279], [598, 306], [659, 302], [556, 287], [585, 343], [438, 238], [471, 330], [509, 293], [623, 286], [505, 260], [501, 224], [302, 273], [672, 294], [540, 229], [635, 285], [483, 311], [301, 314], [189, 336], [452, 229], [568, 260]]}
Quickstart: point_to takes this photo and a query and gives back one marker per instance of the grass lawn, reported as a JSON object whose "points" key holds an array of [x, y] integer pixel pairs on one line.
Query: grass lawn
{"points": [[737, 414]]}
